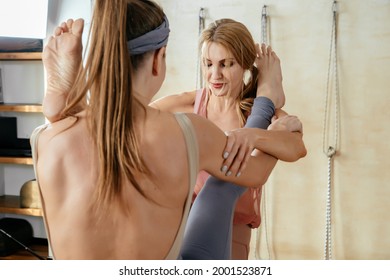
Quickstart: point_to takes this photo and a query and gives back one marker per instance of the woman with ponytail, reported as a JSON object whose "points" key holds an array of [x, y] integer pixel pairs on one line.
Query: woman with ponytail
{"points": [[116, 176]]}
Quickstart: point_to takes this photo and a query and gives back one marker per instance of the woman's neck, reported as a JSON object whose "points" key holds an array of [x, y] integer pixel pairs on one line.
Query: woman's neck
{"points": [[221, 104], [142, 88], [223, 112]]}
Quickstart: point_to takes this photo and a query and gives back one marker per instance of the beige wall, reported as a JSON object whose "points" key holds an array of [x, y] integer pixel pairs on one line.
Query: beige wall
{"points": [[295, 196]]}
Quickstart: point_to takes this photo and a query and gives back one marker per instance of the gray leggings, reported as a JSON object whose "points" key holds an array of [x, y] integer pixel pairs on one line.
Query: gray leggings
{"points": [[208, 233]]}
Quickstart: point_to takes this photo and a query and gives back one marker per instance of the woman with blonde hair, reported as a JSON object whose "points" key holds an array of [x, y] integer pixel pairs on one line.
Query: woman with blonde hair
{"points": [[229, 56], [116, 176]]}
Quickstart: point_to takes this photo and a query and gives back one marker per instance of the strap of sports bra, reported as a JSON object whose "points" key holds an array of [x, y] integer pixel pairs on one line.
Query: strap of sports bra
{"points": [[34, 150], [192, 145], [34, 146], [193, 160], [198, 97], [200, 102]]}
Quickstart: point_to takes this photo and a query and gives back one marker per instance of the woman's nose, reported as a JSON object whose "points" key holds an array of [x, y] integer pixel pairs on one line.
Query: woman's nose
{"points": [[216, 73]]}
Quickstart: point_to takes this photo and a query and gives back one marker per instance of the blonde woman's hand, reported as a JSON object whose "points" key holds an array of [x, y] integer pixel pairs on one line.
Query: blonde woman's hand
{"points": [[283, 121]]}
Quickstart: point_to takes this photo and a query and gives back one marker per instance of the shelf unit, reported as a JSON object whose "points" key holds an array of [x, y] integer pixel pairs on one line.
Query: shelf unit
{"points": [[10, 204]]}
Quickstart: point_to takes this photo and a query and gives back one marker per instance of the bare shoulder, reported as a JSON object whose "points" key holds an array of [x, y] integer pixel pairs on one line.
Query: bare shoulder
{"points": [[211, 141], [165, 135], [65, 147], [183, 102], [63, 137]]}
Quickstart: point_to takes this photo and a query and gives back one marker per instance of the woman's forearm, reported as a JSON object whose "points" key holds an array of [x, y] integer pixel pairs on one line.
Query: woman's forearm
{"points": [[283, 145]]}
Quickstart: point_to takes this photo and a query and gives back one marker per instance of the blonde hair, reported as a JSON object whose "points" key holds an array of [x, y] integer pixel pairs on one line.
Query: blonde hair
{"points": [[236, 38], [113, 110]]}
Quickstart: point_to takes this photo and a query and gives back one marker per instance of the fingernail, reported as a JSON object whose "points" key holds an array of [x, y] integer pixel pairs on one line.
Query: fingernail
{"points": [[229, 173], [238, 174], [225, 155], [224, 168]]}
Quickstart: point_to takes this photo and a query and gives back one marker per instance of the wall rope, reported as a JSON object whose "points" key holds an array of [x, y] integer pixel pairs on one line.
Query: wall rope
{"points": [[264, 39], [330, 149], [264, 25], [201, 26]]}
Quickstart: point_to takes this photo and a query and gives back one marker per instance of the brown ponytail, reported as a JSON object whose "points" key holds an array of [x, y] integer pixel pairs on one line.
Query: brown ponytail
{"points": [[112, 106]]}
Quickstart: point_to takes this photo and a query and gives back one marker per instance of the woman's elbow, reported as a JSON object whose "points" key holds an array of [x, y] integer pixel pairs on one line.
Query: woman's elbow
{"points": [[298, 153]]}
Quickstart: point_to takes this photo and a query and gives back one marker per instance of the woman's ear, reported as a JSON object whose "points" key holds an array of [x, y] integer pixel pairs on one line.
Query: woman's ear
{"points": [[158, 60]]}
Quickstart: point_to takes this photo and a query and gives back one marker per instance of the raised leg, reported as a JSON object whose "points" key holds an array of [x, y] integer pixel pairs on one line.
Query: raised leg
{"points": [[208, 233], [62, 58]]}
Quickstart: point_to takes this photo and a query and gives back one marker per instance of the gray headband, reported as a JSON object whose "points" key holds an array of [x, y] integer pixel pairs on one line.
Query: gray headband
{"points": [[151, 40]]}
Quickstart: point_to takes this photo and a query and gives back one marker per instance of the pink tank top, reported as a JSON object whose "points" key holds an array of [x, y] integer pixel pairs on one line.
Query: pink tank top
{"points": [[248, 206]]}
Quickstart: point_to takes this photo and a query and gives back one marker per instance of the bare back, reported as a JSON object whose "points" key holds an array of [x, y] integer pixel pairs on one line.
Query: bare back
{"points": [[67, 171]]}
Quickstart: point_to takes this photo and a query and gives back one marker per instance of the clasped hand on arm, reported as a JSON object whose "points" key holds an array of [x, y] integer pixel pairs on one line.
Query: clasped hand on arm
{"points": [[286, 146]]}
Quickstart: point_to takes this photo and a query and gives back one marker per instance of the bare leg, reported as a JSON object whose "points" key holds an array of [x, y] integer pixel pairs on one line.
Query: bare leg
{"points": [[270, 76], [62, 58]]}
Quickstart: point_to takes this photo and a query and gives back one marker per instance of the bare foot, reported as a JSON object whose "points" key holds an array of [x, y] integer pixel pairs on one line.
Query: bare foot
{"points": [[270, 76], [62, 56]]}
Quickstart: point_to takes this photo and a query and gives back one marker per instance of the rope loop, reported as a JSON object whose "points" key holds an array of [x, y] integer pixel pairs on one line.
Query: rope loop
{"points": [[331, 152]]}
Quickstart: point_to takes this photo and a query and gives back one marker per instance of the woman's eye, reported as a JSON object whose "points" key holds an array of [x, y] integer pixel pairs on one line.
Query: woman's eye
{"points": [[227, 64]]}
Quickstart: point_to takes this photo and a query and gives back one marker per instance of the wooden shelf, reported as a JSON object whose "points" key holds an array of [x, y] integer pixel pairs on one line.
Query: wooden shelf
{"points": [[16, 160], [10, 204], [27, 108], [21, 56]]}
